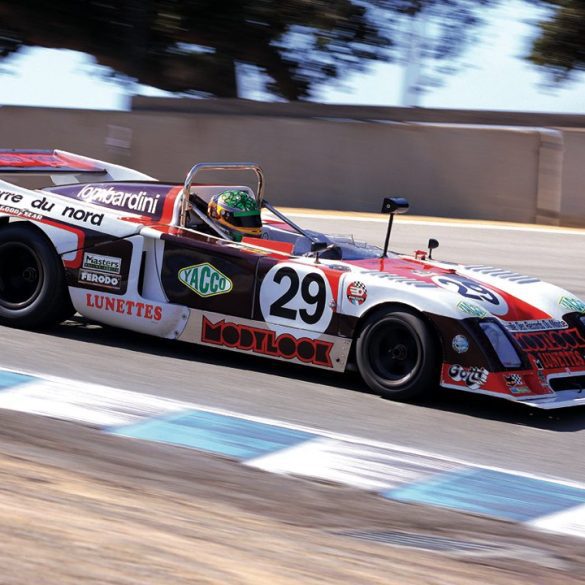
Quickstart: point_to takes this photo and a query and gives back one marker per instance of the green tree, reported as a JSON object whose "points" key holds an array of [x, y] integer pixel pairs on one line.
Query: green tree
{"points": [[192, 46], [560, 44]]}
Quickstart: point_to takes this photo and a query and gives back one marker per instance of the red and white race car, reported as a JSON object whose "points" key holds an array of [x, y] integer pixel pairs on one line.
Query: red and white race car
{"points": [[123, 249]]}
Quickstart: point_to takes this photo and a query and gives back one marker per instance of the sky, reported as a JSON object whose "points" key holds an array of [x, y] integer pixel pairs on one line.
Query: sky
{"points": [[493, 76]]}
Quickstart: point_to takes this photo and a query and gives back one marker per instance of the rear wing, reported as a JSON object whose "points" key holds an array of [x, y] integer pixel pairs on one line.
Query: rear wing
{"points": [[64, 167]]}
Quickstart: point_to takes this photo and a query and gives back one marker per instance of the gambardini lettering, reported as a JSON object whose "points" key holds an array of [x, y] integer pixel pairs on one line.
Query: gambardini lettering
{"points": [[139, 202], [123, 306]]}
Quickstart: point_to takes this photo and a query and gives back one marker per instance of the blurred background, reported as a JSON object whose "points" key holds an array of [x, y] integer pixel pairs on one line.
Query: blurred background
{"points": [[471, 109]]}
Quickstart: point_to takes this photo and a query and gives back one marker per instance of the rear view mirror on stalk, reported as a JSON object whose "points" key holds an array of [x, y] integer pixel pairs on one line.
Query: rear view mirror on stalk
{"points": [[392, 206], [395, 205]]}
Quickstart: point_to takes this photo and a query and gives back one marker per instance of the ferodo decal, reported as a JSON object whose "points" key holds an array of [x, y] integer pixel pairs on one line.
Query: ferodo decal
{"points": [[266, 342], [102, 280], [487, 298], [205, 280], [297, 295], [554, 349]]}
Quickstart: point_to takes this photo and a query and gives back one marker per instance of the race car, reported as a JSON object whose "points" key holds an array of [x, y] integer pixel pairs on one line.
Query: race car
{"points": [[199, 263]]}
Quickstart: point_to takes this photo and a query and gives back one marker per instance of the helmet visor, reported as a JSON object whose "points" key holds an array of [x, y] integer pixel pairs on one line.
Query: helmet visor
{"points": [[245, 219]]}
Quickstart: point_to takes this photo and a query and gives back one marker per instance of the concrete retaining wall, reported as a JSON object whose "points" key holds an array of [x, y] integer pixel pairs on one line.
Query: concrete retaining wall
{"points": [[484, 172], [573, 199]]}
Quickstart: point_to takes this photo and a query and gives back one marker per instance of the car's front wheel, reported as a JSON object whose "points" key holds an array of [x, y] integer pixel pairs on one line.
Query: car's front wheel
{"points": [[396, 355], [33, 292]]}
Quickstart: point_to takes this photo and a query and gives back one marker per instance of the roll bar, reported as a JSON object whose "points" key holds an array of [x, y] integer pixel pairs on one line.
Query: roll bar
{"points": [[220, 167]]}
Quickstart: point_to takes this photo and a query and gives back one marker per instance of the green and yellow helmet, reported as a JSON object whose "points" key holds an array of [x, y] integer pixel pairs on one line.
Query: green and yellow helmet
{"points": [[238, 212]]}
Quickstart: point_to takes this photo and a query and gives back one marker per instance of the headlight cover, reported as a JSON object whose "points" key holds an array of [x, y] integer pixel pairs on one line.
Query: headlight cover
{"points": [[501, 343]]}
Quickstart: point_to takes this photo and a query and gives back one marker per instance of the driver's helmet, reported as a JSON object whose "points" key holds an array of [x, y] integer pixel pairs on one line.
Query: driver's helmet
{"points": [[238, 212]]}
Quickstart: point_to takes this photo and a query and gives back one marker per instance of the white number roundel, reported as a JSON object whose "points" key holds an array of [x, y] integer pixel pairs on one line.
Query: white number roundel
{"points": [[296, 295], [487, 298]]}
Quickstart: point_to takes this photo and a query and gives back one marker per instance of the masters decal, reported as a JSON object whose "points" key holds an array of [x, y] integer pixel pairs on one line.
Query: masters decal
{"points": [[108, 264], [205, 280]]}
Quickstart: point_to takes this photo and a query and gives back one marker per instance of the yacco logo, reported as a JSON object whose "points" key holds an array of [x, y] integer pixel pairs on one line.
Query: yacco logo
{"points": [[267, 342], [206, 280]]}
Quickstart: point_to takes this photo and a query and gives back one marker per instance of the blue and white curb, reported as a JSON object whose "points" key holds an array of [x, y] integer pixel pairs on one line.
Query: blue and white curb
{"points": [[393, 471]]}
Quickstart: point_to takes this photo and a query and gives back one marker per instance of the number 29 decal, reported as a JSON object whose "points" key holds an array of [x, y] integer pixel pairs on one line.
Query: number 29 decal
{"points": [[488, 298], [295, 295]]}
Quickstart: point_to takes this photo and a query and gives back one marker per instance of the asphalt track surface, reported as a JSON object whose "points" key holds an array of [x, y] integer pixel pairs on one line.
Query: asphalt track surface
{"points": [[473, 428]]}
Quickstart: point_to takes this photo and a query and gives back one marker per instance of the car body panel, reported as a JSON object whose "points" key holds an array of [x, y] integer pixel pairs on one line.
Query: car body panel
{"points": [[131, 262]]}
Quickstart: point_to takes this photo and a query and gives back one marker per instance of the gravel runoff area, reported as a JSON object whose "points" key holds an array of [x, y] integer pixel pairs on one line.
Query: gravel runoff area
{"points": [[79, 507]]}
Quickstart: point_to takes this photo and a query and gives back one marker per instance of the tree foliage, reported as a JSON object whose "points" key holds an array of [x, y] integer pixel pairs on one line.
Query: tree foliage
{"points": [[560, 45], [192, 46]]}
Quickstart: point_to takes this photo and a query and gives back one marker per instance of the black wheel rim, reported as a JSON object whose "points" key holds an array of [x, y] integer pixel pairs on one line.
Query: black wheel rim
{"points": [[21, 275], [395, 353]]}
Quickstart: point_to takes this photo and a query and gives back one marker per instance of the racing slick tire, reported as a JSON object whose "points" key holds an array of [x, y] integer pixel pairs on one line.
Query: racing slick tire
{"points": [[396, 355], [33, 292]]}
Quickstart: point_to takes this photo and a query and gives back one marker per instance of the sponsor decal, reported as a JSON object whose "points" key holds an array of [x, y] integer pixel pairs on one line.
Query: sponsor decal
{"points": [[513, 380], [82, 215], [266, 342], [45, 205], [572, 304], [109, 264], [296, 295], [472, 309], [515, 384], [489, 299], [138, 202], [536, 325], [460, 343], [554, 349], [520, 390], [340, 267], [502, 273], [398, 279], [205, 280], [473, 377], [20, 212], [357, 293], [124, 306], [10, 197], [99, 278]]}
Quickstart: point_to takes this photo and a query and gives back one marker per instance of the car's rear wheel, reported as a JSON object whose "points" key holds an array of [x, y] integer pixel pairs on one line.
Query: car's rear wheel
{"points": [[396, 355], [33, 292]]}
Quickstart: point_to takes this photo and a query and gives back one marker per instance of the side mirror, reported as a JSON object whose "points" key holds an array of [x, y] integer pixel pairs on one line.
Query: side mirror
{"points": [[432, 245], [395, 205], [392, 206]]}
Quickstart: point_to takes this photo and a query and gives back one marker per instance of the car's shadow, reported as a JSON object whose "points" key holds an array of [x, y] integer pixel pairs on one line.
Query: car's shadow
{"points": [[485, 407]]}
